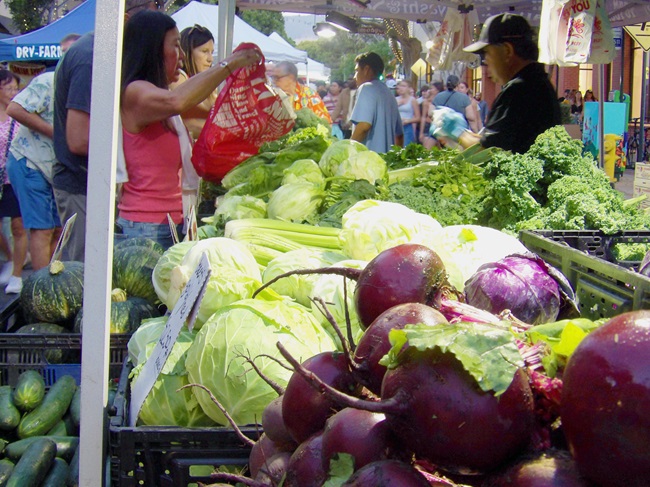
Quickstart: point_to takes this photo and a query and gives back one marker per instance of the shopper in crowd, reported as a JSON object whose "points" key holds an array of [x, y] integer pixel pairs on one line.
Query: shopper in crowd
{"points": [[11, 274], [455, 100], [152, 140], [73, 81], [526, 107], [376, 118], [285, 77], [475, 125], [589, 96], [197, 44], [344, 105], [321, 89], [427, 109], [30, 163], [482, 107], [577, 108], [331, 100], [409, 111]]}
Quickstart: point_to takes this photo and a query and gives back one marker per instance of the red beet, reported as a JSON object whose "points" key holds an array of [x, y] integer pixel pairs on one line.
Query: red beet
{"points": [[305, 467], [261, 452], [605, 405], [451, 421], [374, 344], [305, 409], [407, 273], [272, 472], [363, 434], [273, 424], [552, 468], [437, 408], [387, 473]]}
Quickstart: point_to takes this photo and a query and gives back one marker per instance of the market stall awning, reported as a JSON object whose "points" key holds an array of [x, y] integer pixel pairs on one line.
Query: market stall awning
{"points": [[621, 12], [43, 44]]}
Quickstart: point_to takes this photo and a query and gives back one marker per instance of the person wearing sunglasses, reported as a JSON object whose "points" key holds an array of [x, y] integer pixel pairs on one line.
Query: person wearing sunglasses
{"points": [[527, 104], [284, 75]]}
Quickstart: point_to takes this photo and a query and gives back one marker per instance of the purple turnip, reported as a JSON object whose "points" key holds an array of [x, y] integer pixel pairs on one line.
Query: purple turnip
{"points": [[374, 344], [304, 409], [605, 405], [364, 435], [387, 473]]}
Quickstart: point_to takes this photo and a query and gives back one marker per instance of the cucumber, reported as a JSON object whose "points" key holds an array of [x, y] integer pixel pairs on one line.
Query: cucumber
{"points": [[54, 405], [70, 428], [59, 429], [75, 408], [73, 471], [33, 466], [58, 474], [6, 467], [29, 391], [9, 414], [65, 446]]}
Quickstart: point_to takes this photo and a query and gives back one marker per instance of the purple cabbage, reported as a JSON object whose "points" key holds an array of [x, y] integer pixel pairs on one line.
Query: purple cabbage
{"points": [[525, 284]]}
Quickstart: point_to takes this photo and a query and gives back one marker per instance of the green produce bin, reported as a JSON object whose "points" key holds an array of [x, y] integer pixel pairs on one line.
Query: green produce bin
{"points": [[604, 287]]}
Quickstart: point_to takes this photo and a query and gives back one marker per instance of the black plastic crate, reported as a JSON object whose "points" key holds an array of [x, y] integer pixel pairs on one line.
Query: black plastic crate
{"points": [[20, 352], [168, 456], [604, 287]]}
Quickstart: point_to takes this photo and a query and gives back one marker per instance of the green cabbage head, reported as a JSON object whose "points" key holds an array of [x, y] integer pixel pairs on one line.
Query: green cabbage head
{"points": [[298, 287], [337, 153], [235, 275], [161, 277], [250, 328], [296, 202], [366, 165], [303, 170], [164, 406], [370, 227]]}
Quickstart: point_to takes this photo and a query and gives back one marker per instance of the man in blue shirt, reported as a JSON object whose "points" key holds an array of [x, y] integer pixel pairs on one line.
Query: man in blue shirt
{"points": [[375, 115]]}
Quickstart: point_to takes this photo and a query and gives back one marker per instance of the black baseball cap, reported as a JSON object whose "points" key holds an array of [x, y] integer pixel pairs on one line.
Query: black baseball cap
{"points": [[502, 28]]}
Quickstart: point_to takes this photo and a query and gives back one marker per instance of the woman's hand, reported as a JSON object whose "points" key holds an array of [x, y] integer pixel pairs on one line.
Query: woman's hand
{"points": [[243, 58]]}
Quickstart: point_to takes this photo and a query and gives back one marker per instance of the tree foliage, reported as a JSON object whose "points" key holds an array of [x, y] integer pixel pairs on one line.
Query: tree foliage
{"points": [[266, 22], [339, 52], [31, 14]]}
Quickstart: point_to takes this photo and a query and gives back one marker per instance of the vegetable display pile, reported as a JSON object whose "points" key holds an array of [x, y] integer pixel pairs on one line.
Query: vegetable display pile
{"points": [[39, 432]]}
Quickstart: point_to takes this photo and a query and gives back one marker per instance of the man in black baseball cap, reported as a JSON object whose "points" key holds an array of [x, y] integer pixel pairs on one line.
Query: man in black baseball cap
{"points": [[527, 104]]}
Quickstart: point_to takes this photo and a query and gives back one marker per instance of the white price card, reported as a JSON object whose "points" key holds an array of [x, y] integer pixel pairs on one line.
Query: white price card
{"points": [[184, 311], [63, 239], [172, 229]]}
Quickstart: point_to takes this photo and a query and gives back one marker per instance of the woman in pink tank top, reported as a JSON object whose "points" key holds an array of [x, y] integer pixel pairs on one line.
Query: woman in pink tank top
{"points": [[152, 60]]}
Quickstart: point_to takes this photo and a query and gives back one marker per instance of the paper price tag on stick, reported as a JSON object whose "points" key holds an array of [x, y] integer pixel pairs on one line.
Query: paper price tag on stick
{"points": [[184, 311], [172, 228], [63, 239], [192, 226]]}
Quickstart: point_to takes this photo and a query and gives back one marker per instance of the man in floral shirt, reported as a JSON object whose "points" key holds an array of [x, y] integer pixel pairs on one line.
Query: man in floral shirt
{"points": [[30, 162], [285, 76]]}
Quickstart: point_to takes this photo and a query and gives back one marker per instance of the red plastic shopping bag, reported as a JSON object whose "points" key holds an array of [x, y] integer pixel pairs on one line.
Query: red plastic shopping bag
{"points": [[246, 114]]}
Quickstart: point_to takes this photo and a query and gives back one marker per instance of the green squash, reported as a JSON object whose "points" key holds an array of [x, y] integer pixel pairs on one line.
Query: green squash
{"points": [[132, 270], [126, 313], [51, 355], [54, 293], [140, 242]]}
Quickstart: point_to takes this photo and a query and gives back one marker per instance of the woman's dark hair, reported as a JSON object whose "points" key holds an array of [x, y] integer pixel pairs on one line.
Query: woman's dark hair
{"points": [[7, 77], [143, 51], [191, 38], [438, 86], [371, 59]]}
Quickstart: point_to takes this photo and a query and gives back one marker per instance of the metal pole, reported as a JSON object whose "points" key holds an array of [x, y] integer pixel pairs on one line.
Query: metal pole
{"points": [[644, 93], [104, 112]]}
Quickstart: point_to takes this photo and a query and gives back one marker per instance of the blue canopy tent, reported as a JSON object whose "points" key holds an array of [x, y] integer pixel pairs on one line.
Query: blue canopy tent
{"points": [[43, 44]]}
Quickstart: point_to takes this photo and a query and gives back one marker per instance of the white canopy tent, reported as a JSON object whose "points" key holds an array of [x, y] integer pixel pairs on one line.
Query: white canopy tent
{"points": [[312, 70], [207, 15], [103, 154]]}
